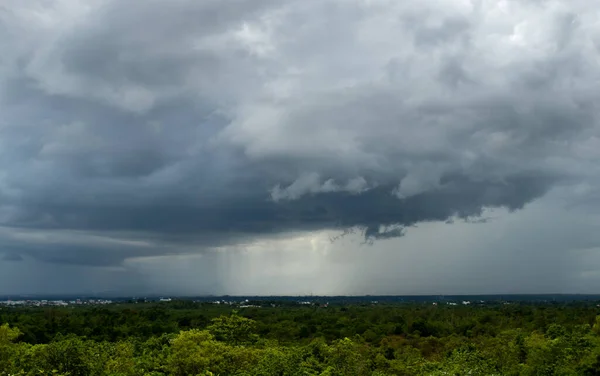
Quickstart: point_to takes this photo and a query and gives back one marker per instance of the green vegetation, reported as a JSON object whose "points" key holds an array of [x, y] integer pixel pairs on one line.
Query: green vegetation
{"points": [[186, 338]]}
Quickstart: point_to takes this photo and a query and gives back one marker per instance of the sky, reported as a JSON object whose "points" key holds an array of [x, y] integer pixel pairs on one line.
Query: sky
{"points": [[287, 147]]}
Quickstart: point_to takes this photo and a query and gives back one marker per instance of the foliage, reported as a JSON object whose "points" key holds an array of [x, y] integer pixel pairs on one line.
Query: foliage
{"points": [[184, 338]]}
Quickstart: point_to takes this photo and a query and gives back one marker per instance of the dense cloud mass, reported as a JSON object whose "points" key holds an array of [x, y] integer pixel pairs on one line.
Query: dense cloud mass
{"points": [[139, 129]]}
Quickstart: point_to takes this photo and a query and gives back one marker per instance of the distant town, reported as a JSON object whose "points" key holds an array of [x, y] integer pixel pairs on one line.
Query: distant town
{"points": [[275, 301], [245, 303], [53, 303]]}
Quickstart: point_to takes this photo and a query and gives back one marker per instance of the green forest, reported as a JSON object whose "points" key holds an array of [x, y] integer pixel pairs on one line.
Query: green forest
{"points": [[188, 338]]}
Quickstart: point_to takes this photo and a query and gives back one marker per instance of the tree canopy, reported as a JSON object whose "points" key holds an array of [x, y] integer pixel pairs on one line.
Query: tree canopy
{"points": [[202, 339]]}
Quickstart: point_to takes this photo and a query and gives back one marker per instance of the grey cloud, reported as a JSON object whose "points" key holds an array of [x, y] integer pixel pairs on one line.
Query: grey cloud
{"points": [[225, 220], [135, 65], [311, 184], [11, 256], [204, 124]]}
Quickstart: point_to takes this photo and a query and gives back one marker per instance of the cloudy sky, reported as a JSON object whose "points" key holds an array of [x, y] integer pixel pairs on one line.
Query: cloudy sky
{"points": [[299, 146]]}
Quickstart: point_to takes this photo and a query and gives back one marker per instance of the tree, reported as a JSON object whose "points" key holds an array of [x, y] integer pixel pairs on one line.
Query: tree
{"points": [[234, 329], [193, 352], [8, 334]]}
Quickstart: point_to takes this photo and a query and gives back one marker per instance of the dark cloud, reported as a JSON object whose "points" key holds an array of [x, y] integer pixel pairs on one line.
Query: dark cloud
{"points": [[170, 226], [10, 256], [140, 129]]}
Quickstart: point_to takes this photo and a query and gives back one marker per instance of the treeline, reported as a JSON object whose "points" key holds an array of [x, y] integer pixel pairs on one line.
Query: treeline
{"points": [[185, 338]]}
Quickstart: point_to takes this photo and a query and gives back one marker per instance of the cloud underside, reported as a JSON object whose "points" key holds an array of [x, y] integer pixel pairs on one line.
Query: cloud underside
{"points": [[136, 129], [196, 227]]}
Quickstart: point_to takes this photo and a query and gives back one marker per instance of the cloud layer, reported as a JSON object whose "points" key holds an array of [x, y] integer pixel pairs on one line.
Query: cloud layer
{"points": [[148, 128]]}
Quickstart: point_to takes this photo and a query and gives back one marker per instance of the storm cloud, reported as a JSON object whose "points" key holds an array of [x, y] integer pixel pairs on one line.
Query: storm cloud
{"points": [[149, 128]]}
